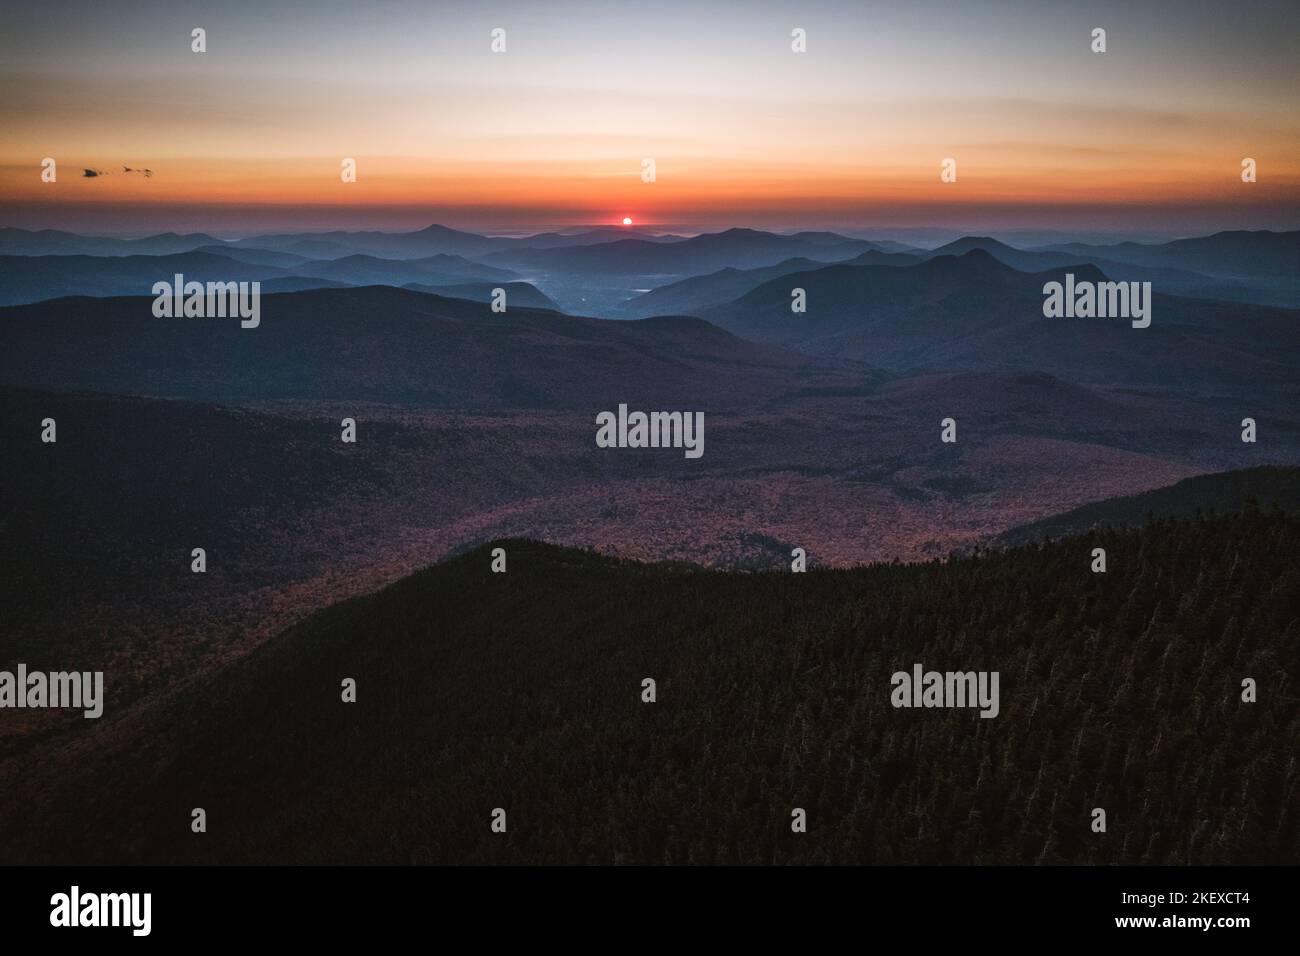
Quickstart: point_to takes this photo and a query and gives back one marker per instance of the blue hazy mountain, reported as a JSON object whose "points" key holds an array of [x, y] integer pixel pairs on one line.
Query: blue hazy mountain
{"points": [[735, 248], [1163, 271], [518, 294], [34, 278], [974, 312], [1230, 253], [53, 242], [378, 343], [695, 295]]}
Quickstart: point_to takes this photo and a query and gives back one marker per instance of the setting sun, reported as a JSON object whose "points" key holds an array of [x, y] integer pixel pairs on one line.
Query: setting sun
{"points": [[627, 220]]}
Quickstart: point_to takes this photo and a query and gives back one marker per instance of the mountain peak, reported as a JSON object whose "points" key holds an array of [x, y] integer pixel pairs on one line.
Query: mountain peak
{"points": [[436, 229], [974, 261], [966, 243]]}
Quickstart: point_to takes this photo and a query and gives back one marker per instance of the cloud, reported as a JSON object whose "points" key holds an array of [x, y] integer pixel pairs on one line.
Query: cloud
{"points": [[143, 172], [91, 173]]}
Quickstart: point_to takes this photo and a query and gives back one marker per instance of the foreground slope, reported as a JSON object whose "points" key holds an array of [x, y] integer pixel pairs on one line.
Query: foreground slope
{"points": [[522, 691], [1270, 486]]}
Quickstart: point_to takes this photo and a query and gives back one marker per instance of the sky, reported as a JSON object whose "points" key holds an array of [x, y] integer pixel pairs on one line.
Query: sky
{"points": [[248, 136]]}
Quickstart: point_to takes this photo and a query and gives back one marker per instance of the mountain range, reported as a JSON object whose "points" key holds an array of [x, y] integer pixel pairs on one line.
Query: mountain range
{"points": [[623, 273], [33, 278], [825, 430]]}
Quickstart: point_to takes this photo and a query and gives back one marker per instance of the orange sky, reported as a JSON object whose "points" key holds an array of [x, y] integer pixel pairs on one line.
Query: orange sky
{"points": [[741, 128]]}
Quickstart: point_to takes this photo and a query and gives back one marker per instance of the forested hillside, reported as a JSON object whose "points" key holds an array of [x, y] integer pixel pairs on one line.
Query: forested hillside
{"points": [[1265, 487], [522, 691]]}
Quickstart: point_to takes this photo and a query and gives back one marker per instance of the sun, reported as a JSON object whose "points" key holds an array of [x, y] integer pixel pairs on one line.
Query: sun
{"points": [[627, 220]]}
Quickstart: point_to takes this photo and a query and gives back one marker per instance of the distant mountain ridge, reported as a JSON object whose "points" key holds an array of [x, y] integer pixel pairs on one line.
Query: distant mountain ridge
{"points": [[616, 271], [378, 343], [696, 294], [25, 279], [1232, 252], [54, 242], [1164, 273], [739, 248], [687, 295], [974, 312]]}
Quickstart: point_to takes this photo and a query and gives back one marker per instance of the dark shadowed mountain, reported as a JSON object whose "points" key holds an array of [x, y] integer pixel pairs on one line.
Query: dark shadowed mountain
{"points": [[301, 284], [523, 691], [518, 294], [385, 344], [34, 278], [973, 312], [1227, 492]]}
